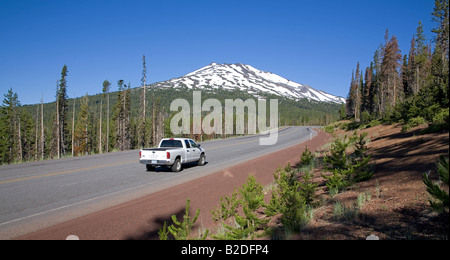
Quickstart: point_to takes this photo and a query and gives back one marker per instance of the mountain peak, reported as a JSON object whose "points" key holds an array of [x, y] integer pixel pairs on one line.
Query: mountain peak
{"points": [[250, 79]]}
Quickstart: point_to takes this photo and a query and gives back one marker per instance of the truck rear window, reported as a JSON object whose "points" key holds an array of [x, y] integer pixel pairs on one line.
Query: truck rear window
{"points": [[171, 143]]}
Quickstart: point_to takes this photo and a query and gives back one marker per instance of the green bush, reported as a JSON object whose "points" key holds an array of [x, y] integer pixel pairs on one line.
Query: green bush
{"points": [[413, 122], [306, 159], [329, 129], [228, 208], [287, 199], [347, 169], [439, 123], [440, 197], [337, 158], [181, 230], [442, 117], [365, 117], [308, 188], [250, 199]]}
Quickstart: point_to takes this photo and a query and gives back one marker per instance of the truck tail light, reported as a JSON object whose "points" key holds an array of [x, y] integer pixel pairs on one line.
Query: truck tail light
{"points": [[168, 155], [140, 154]]}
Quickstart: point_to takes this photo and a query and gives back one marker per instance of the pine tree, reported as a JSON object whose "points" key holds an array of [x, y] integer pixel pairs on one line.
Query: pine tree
{"points": [[421, 58], [440, 15], [440, 197], [354, 95], [105, 90], [81, 129], [350, 103], [376, 82], [27, 136], [8, 124], [390, 75], [61, 96], [122, 117], [142, 125], [366, 97], [411, 83]]}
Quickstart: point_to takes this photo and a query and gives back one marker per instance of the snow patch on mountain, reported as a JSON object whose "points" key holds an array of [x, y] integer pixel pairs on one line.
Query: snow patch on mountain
{"points": [[249, 79]]}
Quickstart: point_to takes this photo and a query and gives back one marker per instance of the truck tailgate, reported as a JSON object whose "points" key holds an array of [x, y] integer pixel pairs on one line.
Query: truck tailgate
{"points": [[153, 154]]}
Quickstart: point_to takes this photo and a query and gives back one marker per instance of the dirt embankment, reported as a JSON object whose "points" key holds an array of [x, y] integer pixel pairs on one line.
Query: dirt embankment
{"points": [[396, 202]]}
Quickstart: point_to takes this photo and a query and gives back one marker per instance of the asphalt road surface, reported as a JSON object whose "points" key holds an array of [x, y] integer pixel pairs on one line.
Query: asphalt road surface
{"points": [[40, 194]]}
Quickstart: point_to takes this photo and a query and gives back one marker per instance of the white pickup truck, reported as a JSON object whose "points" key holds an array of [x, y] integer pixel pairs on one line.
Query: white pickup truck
{"points": [[173, 152]]}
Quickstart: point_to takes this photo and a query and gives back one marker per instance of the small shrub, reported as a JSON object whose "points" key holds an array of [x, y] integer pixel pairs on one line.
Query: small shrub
{"points": [[347, 169], [442, 117], [440, 198], [374, 123], [337, 181], [365, 117], [308, 188], [228, 208], [337, 158], [413, 122], [287, 200], [360, 144], [250, 199], [181, 230], [329, 129], [307, 158]]}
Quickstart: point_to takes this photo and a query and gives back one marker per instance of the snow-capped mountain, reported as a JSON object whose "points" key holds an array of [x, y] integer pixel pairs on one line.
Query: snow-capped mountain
{"points": [[247, 78]]}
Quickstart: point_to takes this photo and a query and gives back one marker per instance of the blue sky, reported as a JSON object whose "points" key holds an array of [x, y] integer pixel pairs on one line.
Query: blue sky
{"points": [[317, 43]]}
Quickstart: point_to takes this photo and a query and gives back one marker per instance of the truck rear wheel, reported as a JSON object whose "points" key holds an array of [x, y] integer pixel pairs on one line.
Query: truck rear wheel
{"points": [[176, 167], [150, 167]]}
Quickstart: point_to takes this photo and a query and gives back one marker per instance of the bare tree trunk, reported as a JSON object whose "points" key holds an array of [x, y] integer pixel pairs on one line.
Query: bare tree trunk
{"points": [[73, 126], [153, 117], [20, 142], [58, 143], [36, 142], [100, 137], [144, 76], [42, 128], [107, 127]]}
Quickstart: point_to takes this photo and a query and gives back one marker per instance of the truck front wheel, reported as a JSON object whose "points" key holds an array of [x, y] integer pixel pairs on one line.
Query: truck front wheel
{"points": [[201, 161], [176, 167]]}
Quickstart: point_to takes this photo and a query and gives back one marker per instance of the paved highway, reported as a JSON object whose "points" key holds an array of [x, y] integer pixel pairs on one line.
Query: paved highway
{"points": [[40, 194]]}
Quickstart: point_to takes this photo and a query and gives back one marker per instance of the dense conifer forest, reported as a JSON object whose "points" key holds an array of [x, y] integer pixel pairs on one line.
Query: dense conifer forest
{"points": [[411, 89], [114, 120]]}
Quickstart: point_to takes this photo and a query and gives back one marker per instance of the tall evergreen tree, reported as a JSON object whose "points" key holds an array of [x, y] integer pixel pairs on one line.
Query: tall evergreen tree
{"points": [[421, 58], [106, 85], [142, 125], [122, 117], [410, 73], [440, 15], [354, 96], [61, 97], [391, 81], [350, 102], [367, 101], [81, 129], [8, 122]]}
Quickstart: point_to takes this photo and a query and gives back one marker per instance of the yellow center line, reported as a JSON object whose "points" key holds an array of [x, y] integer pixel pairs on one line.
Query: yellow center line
{"points": [[64, 172]]}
